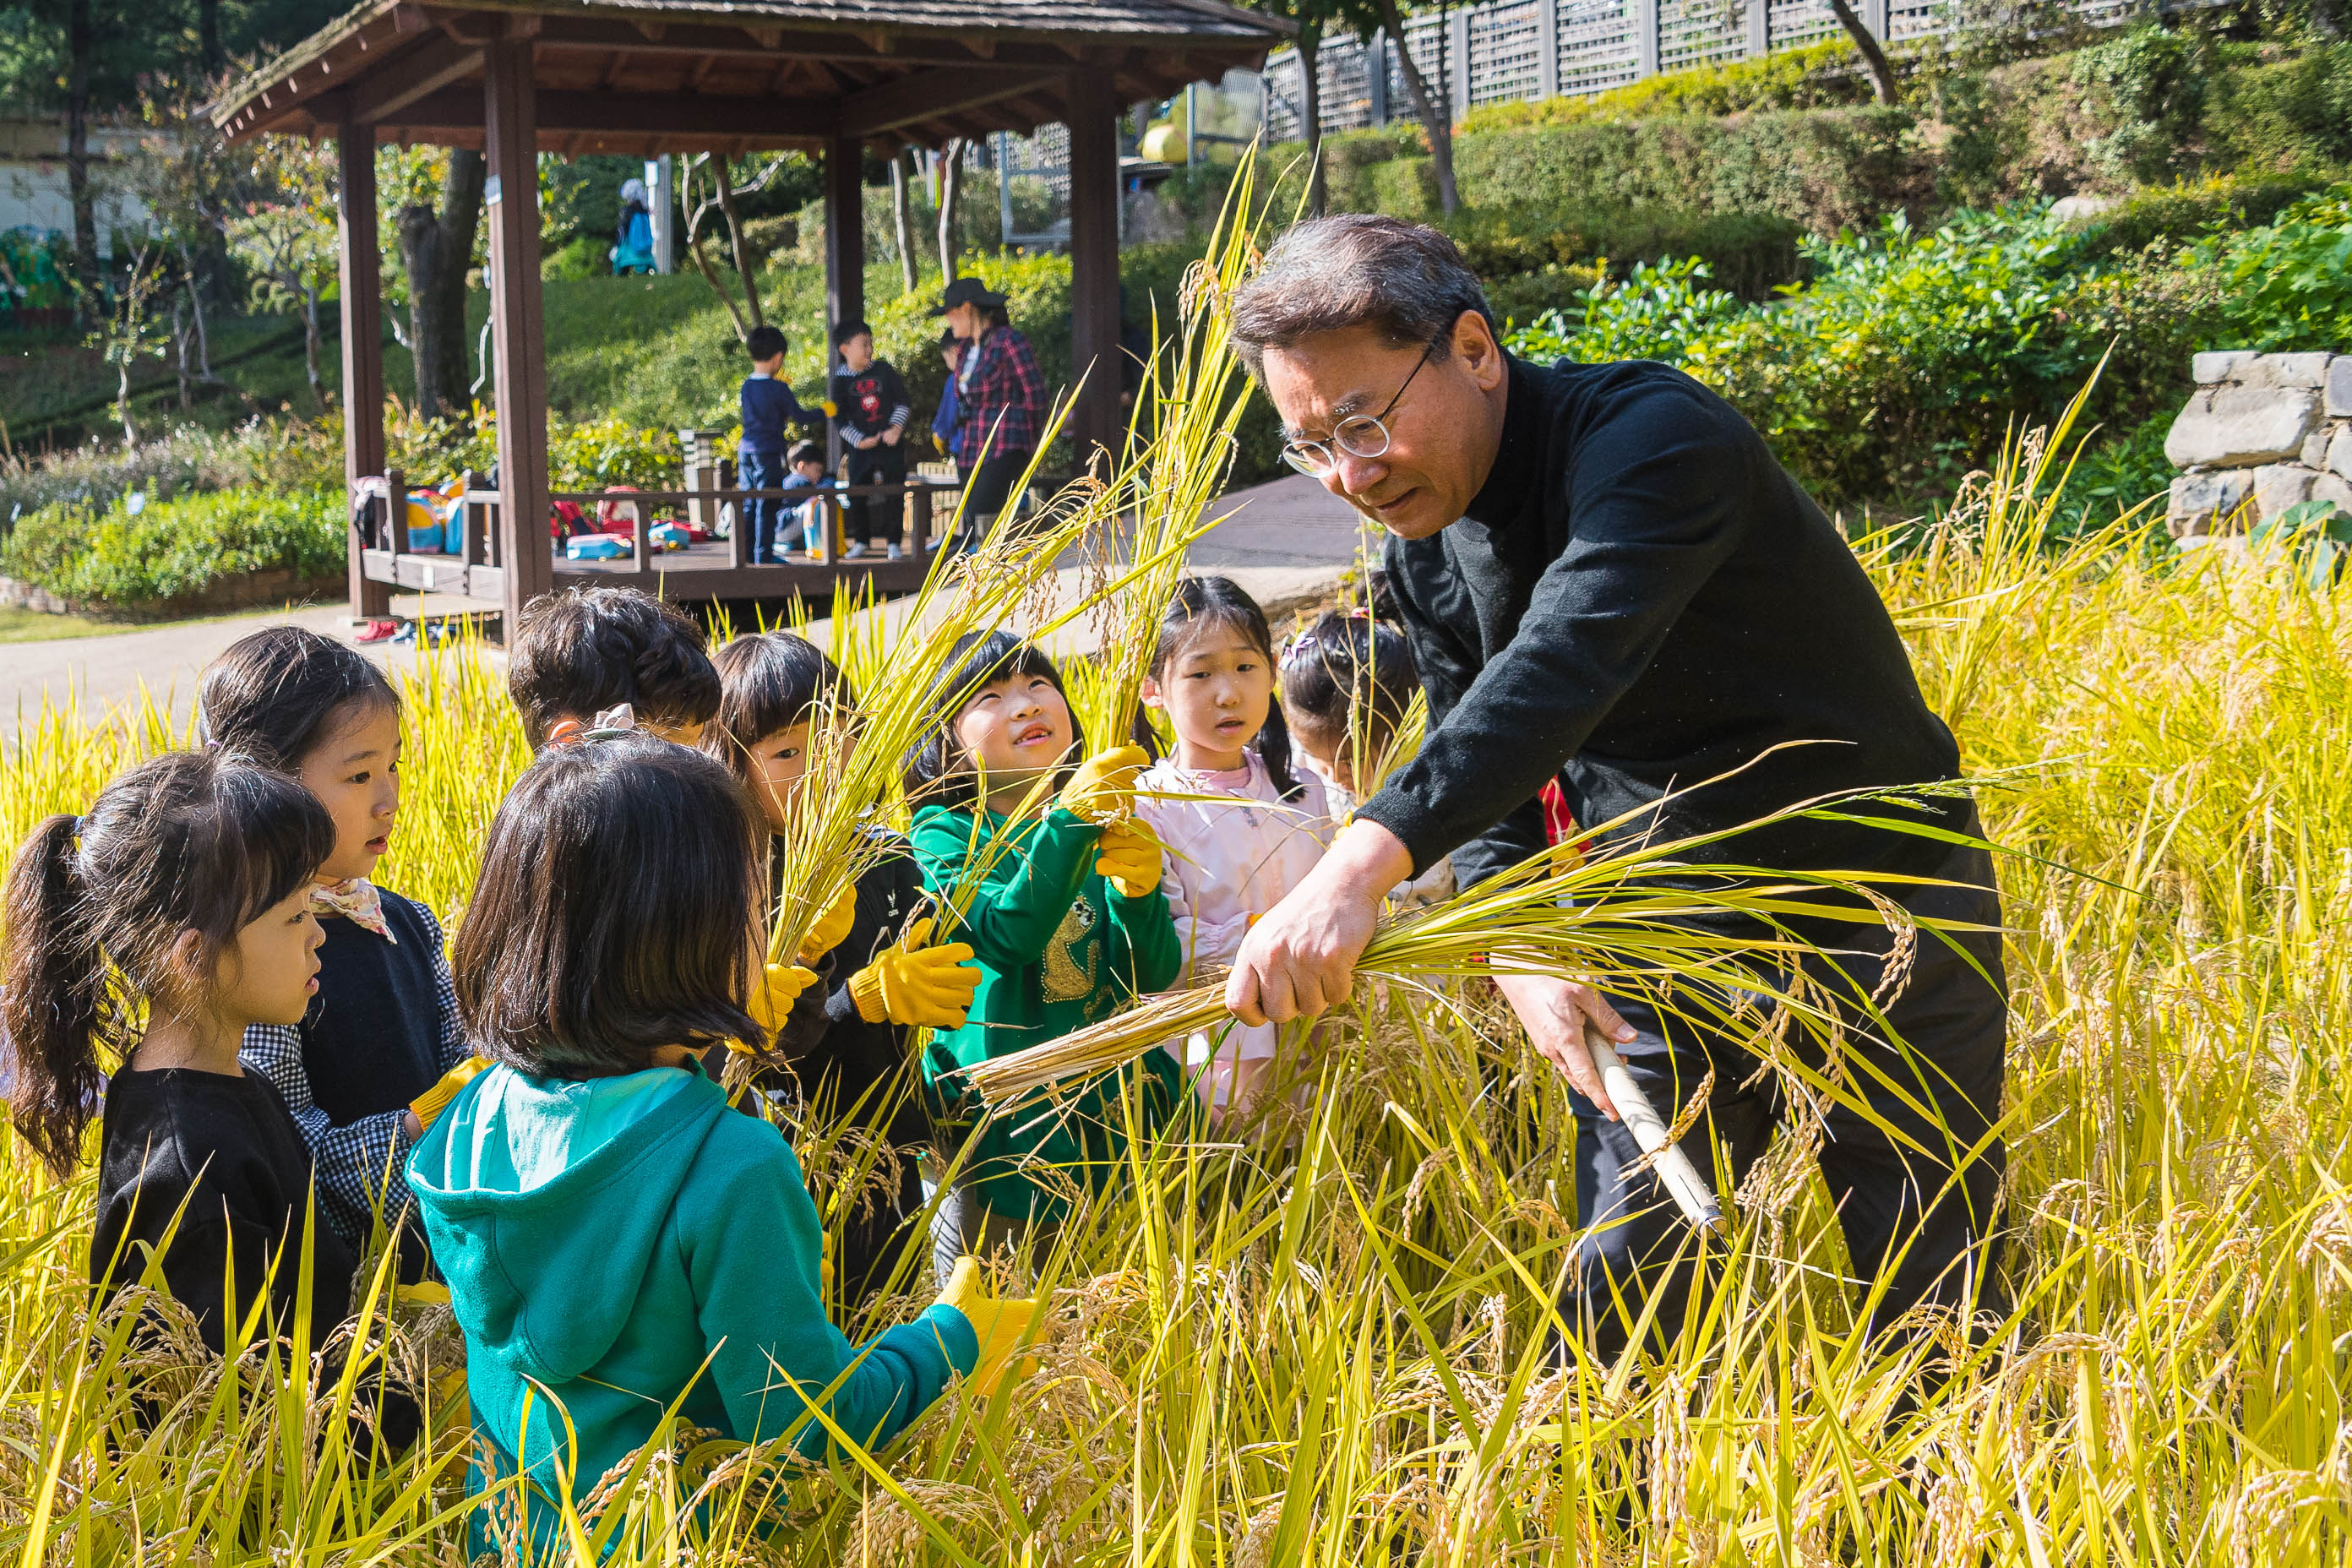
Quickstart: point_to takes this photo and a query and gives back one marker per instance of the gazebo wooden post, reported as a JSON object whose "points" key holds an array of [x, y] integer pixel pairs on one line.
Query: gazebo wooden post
{"points": [[510, 112], [1094, 261], [845, 256], [362, 294]]}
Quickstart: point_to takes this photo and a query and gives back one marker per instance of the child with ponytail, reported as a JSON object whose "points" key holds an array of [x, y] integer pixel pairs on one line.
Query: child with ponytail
{"points": [[380, 1048], [1240, 826], [186, 887]]}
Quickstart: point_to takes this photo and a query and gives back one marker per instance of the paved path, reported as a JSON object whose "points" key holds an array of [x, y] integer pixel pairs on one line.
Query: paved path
{"points": [[1287, 541]]}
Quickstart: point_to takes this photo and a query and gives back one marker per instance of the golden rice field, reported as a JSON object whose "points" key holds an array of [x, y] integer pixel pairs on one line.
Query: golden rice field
{"points": [[1325, 1344]]}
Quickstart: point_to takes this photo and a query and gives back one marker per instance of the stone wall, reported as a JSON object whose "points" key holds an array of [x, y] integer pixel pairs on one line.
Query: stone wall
{"points": [[2262, 432]]}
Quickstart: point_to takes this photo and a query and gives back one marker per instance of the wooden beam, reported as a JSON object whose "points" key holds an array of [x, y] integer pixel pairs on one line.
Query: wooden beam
{"points": [[511, 106], [359, 269], [1092, 117], [844, 252], [438, 62], [926, 95], [584, 32], [666, 114]]}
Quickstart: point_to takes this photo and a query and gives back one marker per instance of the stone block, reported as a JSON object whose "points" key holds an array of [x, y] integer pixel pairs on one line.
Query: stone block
{"points": [[2314, 447], [2278, 486], [2238, 426], [2339, 452], [2220, 365], [2340, 387], [2300, 371], [2201, 501], [2333, 488]]}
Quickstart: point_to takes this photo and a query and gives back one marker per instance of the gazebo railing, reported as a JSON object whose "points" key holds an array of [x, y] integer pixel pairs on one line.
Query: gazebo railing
{"points": [[471, 568]]}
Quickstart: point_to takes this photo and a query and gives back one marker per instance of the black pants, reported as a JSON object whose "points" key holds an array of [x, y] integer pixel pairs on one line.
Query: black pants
{"points": [[1890, 1198], [877, 519], [986, 488]]}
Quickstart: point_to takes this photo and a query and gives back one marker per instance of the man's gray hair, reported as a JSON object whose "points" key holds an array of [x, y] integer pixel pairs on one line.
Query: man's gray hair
{"points": [[1355, 269]]}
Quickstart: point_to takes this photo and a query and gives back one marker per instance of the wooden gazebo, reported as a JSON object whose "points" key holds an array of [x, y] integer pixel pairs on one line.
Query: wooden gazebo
{"points": [[517, 77]]}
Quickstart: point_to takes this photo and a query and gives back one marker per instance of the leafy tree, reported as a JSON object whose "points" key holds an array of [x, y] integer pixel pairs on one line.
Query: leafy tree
{"points": [[285, 233]]}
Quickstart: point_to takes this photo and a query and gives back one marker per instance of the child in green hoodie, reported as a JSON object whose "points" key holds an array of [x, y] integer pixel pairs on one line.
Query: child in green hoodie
{"points": [[1065, 917], [616, 1243]]}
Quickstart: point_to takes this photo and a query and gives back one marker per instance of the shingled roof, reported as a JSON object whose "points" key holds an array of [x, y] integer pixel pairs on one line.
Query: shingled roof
{"points": [[656, 75]]}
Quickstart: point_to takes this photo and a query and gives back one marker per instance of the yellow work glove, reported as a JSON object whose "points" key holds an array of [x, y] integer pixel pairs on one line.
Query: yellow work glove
{"points": [[1000, 1325], [1128, 853], [831, 927], [429, 1105], [911, 984], [830, 411], [1104, 785], [774, 992]]}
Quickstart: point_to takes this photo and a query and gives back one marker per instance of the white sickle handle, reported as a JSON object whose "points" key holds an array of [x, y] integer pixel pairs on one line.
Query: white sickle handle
{"points": [[1695, 1196]]}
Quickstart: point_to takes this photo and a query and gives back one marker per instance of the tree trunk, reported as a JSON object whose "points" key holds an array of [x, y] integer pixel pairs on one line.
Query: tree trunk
{"points": [[122, 401], [1439, 127], [950, 187], [180, 346], [1310, 115], [208, 44], [197, 313], [902, 214], [310, 343], [80, 44], [735, 237], [435, 249], [1882, 75]]}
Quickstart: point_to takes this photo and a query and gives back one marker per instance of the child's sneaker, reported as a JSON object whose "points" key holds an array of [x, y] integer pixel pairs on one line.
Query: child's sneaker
{"points": [[896, 553], [854, 552]]}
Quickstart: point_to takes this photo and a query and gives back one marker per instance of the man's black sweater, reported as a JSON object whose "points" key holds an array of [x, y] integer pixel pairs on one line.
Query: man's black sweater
{"points": [[227, 1150], [1641, 599]]}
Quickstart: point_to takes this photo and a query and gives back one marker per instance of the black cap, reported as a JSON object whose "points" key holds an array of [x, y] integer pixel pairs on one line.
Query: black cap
{"points": [[967, 291]]}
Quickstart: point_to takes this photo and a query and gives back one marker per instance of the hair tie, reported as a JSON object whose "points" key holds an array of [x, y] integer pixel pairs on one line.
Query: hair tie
{"points": [[612, 723], [1360, 613]]}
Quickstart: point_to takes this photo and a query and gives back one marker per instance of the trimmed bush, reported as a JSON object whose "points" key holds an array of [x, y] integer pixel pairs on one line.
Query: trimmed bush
{"points": [[1818, 76], [1749, 253], [222, 550]]}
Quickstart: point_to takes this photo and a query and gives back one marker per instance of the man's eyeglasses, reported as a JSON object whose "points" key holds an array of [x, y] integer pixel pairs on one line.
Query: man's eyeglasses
{"points": [[1358, 435]]}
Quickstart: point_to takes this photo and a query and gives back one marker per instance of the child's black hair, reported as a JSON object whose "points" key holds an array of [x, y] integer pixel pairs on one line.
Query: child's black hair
{"points": [[948, 340], [763, 342], [281, 693], [937, 771], [805, 452], [1349, 659], [198, 841], [620, 889], [1205, 602], [582, 651], [851, 329], [768, 682]]}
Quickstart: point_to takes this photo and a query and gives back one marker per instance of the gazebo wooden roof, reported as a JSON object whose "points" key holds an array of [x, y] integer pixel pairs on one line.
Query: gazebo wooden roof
{"points": [[517, 78]]}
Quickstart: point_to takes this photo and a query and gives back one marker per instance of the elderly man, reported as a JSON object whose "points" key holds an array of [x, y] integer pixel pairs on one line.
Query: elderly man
{"points": [[1606, 578]]}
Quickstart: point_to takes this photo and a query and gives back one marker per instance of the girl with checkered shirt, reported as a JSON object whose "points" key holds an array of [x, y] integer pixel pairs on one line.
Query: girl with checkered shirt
{"points": [[380, 1048]]}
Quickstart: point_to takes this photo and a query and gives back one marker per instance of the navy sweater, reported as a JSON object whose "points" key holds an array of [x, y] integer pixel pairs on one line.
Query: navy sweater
{"points": [[771, 412], [1640, 600]]}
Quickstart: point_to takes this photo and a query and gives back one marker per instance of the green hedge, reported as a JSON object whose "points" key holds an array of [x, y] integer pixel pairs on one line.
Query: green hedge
{"points": [[1749, 253], [193, 551]]}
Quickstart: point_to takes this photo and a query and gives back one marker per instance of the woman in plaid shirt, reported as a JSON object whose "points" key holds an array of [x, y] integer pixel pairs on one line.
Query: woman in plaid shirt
{"points": [[1000, 401]]}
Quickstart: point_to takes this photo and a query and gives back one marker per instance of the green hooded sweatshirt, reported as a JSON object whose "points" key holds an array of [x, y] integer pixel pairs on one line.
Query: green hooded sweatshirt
{"points": [[1058, 948], [602, 1239]]}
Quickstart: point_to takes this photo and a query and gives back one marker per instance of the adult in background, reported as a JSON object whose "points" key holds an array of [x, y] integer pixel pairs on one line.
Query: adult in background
{"points": [[632, 238], [999, 402], [1606, 578]]}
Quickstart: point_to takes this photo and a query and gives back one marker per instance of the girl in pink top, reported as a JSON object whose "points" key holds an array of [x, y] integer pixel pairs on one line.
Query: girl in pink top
{"points": [[1241, 829]]}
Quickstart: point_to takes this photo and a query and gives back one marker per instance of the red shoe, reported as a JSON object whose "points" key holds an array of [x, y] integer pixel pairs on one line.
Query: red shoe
{"points": [[377, 631]]}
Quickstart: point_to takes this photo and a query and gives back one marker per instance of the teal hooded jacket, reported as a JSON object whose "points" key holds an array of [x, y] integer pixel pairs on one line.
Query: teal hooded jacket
{"points": [[605, 1238]]}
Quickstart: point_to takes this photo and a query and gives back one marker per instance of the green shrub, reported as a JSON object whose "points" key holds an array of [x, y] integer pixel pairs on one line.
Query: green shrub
{"points": [[1818, 76], [2182, 212], [1749, 253], [2288, 284], [178, 553]]}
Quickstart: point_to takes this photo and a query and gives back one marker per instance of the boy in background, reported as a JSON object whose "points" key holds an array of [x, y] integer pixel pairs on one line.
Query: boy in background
{"points": [[872, 421], [804, 474], [770, 413], [943, 423]]}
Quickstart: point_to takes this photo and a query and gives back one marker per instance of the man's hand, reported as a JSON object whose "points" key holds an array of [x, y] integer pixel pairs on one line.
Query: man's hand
{"points": [[1300, 957], [1554, 1011]]}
